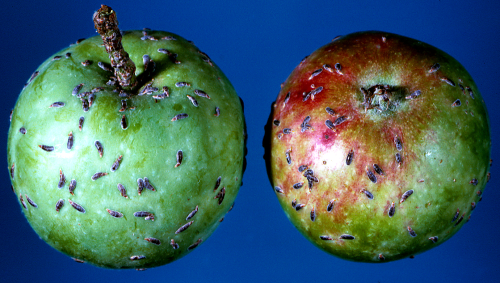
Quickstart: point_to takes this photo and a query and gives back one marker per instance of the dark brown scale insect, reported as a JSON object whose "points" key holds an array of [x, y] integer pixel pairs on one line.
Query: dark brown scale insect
{"points": [[148, 185], [76, 206], [371, 175], [22, 130], [182, 84], [278, 190], [85, 105], [398, 143], [305, 124], [30, 201], [140, 185], [287, 131], [91, 99], [12, 168], [288, 157], [330, 125], [330, 111], [460, 219], [315, 73], [414, 94], [21, 199], [174, 244], [276, 123], [347, 237], [325, 238], [313, 214], [123, 122], [195, 244], [148, 89], [392, 210], [434, 68], [193, 100], [434, 239], [299, 206], [164, 51], [399, 159], [98, 175], [217, 183], [473, 182], [315, 92], [447, 80], [137, 257], [183, 227], [179, 117], [405, 196], [116, 164], [220, 195], [411, 232], [381, 257], [124, 105], [178, 157], [99, 147], [378, 170], [201, 93], [142, 214], [153, 241], [33, 76], [115, 214], [217, 111], [62, 180], [80, 40], [86, 63], [350, 157], [105, 66], [302, 168], [57, 104], [367, 193], [339, 121], [72, 186], [285, 101], [192, 213], [80, 122], [330, 205], [46, 147], [298, 185], [122, 190], [471, 93], [55, 58], [294, 203], [338, 68], [456, 215], [169, 38], [328, 68], [59, 204], [67, 55], [456, 103], [69, 145], [472, 206]]}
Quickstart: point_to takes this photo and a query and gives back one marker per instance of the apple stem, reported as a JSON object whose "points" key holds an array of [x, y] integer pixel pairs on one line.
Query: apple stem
{"points": [[106, 24]]}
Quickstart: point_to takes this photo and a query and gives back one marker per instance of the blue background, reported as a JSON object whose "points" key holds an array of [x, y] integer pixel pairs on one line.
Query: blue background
{"points": [[257, 44]]}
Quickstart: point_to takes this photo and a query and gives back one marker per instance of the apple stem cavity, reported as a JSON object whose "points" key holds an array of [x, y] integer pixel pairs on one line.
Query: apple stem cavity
{"points": [[106, 24]]}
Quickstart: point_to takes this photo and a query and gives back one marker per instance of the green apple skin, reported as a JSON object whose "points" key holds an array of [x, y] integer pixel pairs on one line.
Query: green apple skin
{"points": [[211, 139], [443, 145]]}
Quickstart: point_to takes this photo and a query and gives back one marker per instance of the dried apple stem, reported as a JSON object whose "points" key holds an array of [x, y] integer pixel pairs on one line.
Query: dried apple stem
{"points": [[106, 24]]}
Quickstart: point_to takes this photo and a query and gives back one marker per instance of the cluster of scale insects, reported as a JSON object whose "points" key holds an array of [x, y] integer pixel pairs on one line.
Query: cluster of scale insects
{"points": [[372, 171], [87, 100]]}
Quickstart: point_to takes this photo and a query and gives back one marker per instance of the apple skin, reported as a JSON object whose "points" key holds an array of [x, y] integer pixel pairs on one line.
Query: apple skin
{"points": [[443, 145], [212, 144]]}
